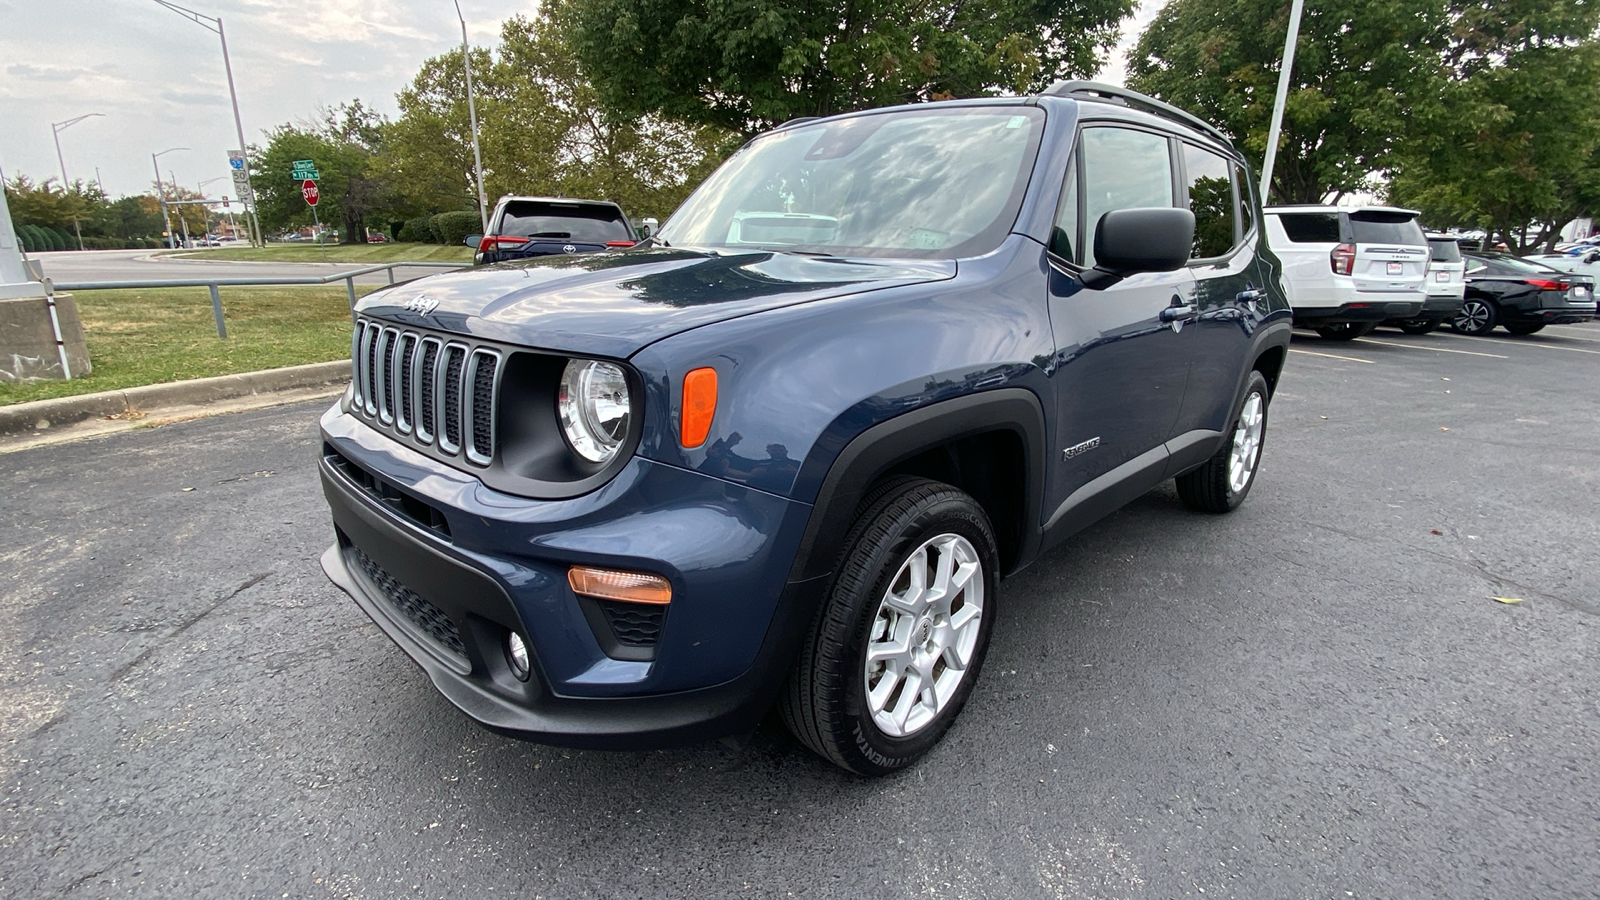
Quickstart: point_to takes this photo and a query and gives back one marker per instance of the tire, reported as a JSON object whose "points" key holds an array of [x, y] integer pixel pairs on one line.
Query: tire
{"points": [[1420, 326], [905, 525], [1224, 480], [1533, 328], [1477, 317], [1345, 331]]}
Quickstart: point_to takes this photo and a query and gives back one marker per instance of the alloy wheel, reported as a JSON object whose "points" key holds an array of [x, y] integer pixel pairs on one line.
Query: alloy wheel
{"points": [[1246, 443]]}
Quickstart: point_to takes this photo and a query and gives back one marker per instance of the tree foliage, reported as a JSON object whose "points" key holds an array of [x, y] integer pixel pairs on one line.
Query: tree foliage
{"points": [[343, 142], [543, 131], [750, 65], [1512, 145], [1360, 66]]}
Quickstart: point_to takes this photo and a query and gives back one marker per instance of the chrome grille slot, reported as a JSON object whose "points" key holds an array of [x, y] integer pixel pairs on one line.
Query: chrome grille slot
{"points": [[479, 405], [404, 413], [455, 359], [441, 394], [355, 362], [386, 346], [426, 414]]}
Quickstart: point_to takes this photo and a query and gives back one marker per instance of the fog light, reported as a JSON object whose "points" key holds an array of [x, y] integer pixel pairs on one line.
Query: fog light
{"points": [[517, 655]]}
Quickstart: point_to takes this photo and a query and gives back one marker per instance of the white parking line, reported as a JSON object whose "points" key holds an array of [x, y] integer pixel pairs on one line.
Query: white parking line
{"points": [[1502, 342], [1331, 356], [1421, 347]]}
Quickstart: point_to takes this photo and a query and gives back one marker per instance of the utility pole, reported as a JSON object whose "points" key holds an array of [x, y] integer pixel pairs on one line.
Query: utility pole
{"points": [[1283, 93], [213, 24], [55, 130], [472, 111], [178, 202]]}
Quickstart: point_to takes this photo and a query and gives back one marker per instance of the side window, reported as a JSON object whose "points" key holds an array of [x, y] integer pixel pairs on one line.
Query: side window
{"points": [[1064, 234], [1122, 169], [1211, 200], [1247, 219], [1311, 228]]}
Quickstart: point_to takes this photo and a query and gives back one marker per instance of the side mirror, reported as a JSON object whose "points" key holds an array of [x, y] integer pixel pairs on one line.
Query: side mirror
{"points": [[1130, 241], [473, 240]]}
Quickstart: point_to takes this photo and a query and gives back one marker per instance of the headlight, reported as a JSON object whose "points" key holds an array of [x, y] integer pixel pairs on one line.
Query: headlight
{"points": [[594, 407]]}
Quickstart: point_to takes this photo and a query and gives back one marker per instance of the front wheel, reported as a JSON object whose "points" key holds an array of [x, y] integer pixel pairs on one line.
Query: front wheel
{"points": [[1345, 331], [898, 644], [1477, 318], [1533, 328], [1221, 484], [1420, 326]]}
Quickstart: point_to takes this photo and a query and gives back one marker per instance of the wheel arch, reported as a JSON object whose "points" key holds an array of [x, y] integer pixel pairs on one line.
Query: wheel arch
{"points": [[990, 444]]}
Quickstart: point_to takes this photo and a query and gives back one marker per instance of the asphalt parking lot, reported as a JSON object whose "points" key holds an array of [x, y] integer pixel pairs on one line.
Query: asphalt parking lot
{"points": [[1316, 696]]}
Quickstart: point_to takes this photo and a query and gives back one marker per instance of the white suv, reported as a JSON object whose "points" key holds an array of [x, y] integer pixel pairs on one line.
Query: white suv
{"points": [[1348, 268]]}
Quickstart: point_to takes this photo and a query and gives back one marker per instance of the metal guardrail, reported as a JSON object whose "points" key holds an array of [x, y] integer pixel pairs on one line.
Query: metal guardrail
{"points": [[215, 284]]}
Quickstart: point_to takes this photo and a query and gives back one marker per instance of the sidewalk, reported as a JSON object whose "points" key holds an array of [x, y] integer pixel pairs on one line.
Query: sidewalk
{"points": [[38, 422]]}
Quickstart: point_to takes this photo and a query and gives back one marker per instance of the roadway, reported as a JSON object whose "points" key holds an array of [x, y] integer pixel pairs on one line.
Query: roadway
{"points": [[66, 267], [1315, 696]]}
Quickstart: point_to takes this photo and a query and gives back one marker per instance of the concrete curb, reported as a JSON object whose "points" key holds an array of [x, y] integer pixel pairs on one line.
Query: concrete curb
{"points": [[39, 415]]}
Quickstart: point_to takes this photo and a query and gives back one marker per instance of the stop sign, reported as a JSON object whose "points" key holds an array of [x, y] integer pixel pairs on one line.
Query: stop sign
{"points": [[308, 190]]}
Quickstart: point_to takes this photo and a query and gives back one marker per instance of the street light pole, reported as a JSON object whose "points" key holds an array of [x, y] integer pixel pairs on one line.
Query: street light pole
{"points": [[472, 111], [161, 194], [177, 201], [55, 130], [1283, 93], [214, 25]]}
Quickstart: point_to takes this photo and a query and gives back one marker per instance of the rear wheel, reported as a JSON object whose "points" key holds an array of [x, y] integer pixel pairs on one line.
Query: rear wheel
{"points": [[1420, 326], [1345, 331], [898, 644], [1533, 328], [1221, 484], [1477, 317]]}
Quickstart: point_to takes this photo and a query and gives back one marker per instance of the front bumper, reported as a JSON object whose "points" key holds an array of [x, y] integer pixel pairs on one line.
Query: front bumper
{"points": [[446, 567]]}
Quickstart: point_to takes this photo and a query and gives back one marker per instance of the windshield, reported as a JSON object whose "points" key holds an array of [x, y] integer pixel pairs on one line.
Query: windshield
{"points": [[937, 183], [592, 223]]}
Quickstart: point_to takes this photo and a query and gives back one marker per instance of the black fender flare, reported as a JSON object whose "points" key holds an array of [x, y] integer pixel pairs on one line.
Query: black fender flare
{"points": [[882, 446]]}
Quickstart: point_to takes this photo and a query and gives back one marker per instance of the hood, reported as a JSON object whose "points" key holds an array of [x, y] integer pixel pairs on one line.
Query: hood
{"points": [[613, 304]]}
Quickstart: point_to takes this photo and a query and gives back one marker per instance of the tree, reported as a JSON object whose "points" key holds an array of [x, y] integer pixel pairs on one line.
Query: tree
{"points": [[1514, 147], [343, 142], [748, 66], [1361, 67], [543, 131]]}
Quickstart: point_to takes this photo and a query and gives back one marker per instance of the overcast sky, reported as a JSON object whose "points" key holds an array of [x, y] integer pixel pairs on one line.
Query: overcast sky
{"points": [[158, 77]]}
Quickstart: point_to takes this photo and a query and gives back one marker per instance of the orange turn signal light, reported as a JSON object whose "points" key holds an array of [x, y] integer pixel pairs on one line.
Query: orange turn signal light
{"points": [[699, 406], [611, 584]]}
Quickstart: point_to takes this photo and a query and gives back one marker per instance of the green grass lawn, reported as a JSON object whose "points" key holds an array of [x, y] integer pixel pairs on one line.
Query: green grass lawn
{"points": [[139, 337], [371, 254]]}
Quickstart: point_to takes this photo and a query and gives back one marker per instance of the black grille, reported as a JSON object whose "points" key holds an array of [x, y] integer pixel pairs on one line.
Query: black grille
{"points": [[430, 356], [400, 374], [421, 512], [634, 624], [408, 347], [429, 618], [483, 405], [455, 358]]}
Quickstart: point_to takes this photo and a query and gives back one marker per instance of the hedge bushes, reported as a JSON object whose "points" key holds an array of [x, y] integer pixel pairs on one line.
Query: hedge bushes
{"points": [[415, 230], [452, 228], [37, 239]]}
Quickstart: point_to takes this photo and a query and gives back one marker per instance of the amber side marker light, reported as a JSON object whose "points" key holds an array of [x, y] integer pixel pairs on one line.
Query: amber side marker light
{"points": [[610, 584], [699, 406]]}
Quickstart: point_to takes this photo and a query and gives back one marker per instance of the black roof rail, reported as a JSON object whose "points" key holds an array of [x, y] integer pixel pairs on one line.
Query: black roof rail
{"points": [[800, 121], [1136, 100]]}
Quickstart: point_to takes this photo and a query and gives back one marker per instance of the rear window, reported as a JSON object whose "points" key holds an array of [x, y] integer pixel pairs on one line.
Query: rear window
{"points": [[564, 221], [1444, 250], [1311, 228], [1386, 228], [1511, 265]]}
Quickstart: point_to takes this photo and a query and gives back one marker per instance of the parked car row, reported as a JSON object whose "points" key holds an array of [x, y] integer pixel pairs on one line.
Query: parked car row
{"points": [[1348, 270]]}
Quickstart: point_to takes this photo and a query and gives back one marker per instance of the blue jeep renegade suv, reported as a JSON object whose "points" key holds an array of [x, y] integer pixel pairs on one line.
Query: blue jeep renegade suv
{"points": [[786, 451]]}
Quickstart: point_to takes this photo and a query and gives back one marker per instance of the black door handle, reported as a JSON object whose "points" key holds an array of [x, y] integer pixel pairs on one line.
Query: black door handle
{"points": [[1174, 313]]}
